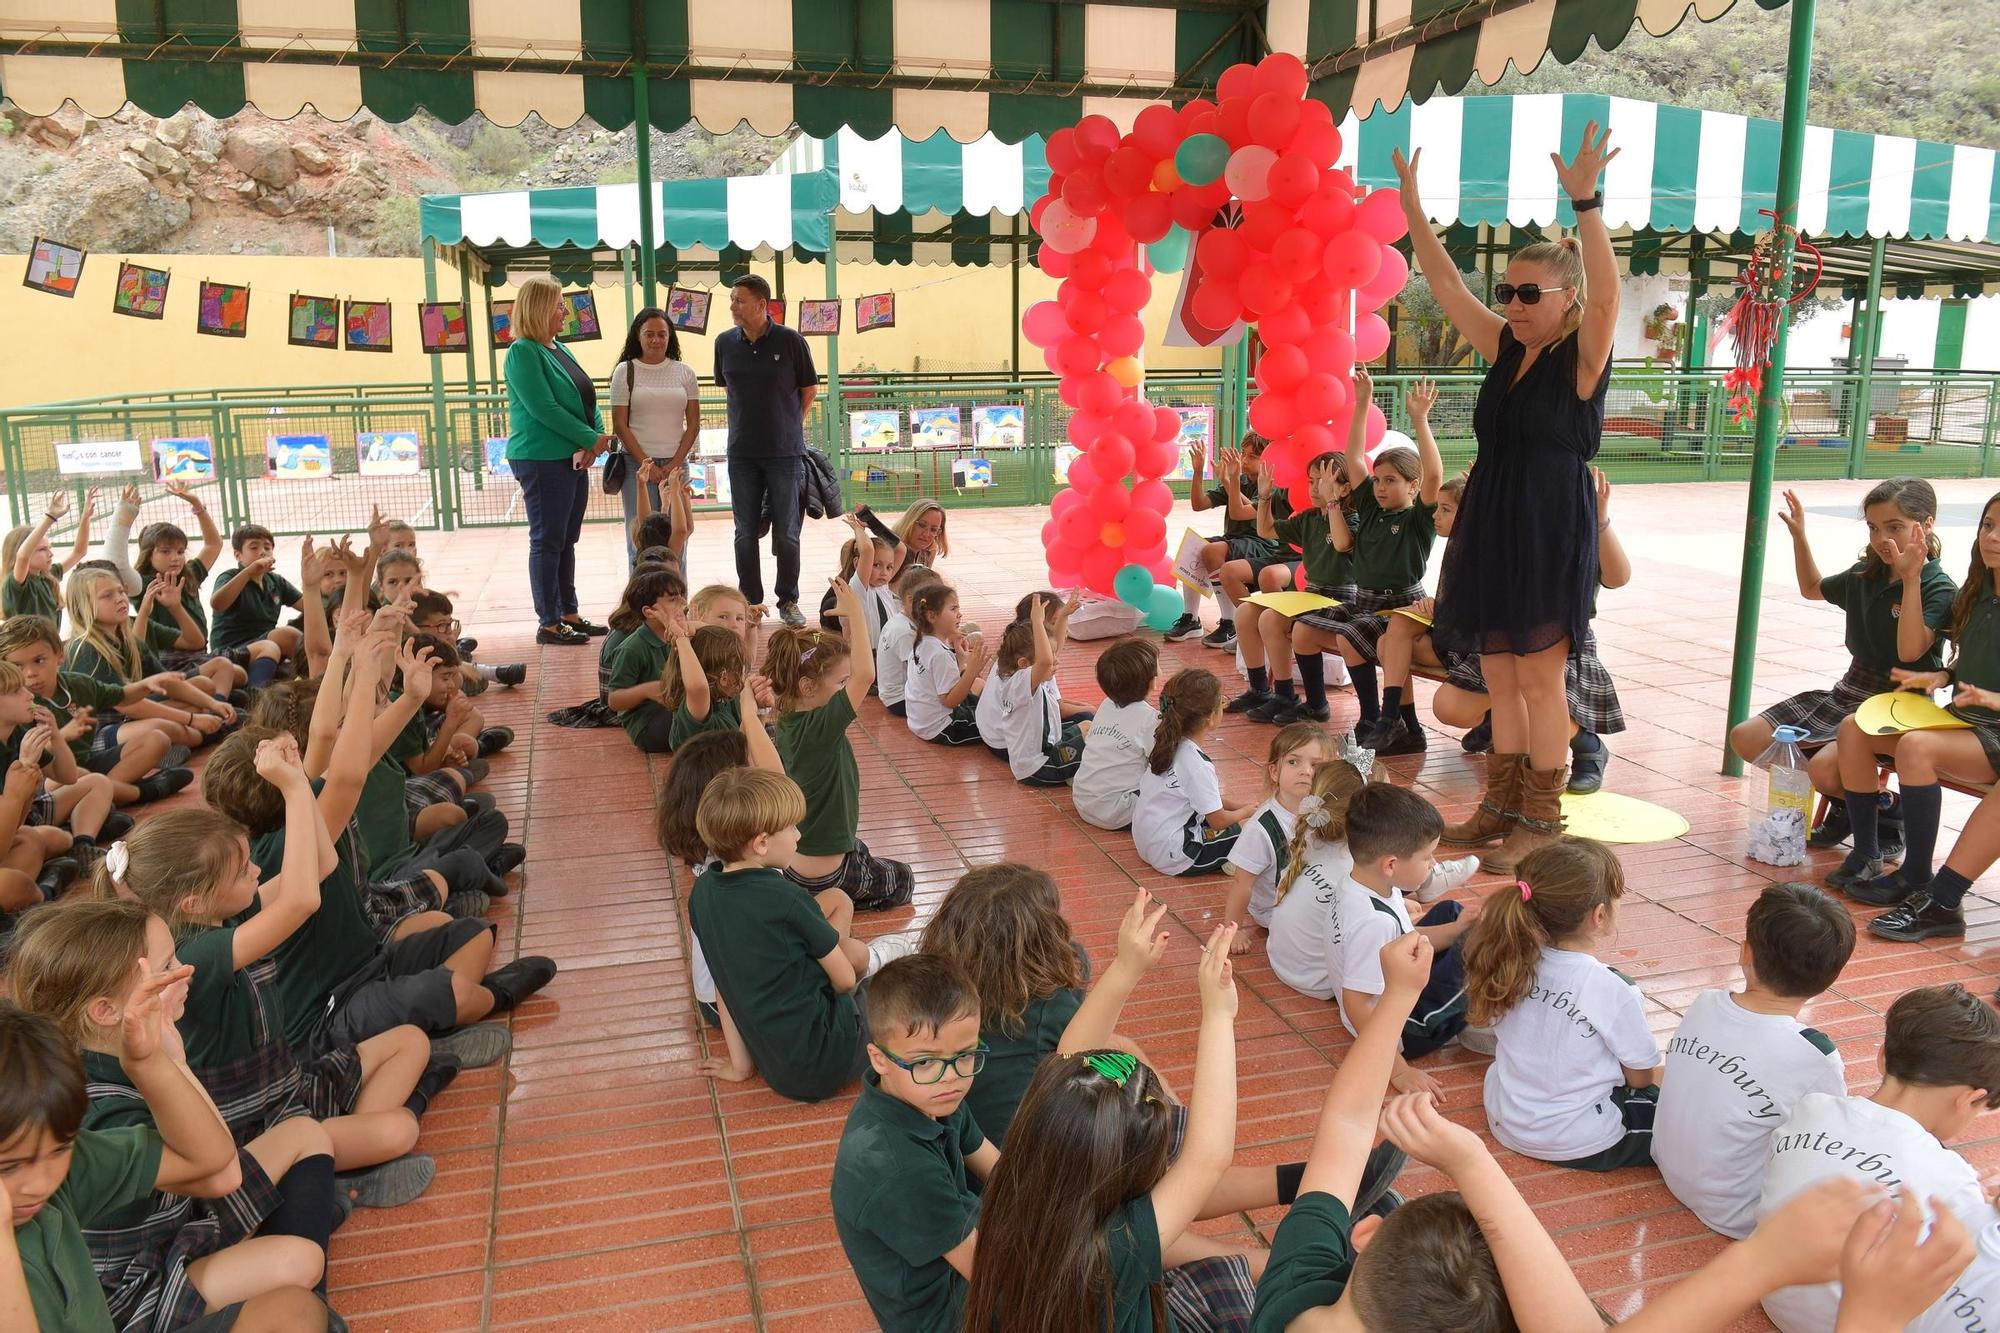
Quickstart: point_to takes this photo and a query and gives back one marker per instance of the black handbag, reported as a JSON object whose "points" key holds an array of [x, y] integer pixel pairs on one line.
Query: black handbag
{"points": [[616, 466]]}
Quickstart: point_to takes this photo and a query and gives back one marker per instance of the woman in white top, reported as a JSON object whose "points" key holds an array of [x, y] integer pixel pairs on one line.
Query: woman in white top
{"points": [[655, 408]]}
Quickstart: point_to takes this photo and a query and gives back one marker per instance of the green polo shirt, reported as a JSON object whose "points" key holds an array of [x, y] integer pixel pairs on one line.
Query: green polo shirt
{"points": [[1978, 661], [113, 1111], [723, 715], [108, 1172], [334, 943], [642, 657], [1875, 605], [1218, 497], [763, 938], [1311, 1256], [1012, 1059], [382, 817], [1325, 565], [224, 1006], [39, 595], [10, 750], [901, 1202], [817, 756], [82, 659], [81, 691], [1132, 1237], [255, 611], [194, 576], [1391, 547]]}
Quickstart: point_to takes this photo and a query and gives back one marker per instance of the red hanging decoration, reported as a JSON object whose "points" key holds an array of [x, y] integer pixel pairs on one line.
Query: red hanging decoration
{"points": [[1754, 320]]}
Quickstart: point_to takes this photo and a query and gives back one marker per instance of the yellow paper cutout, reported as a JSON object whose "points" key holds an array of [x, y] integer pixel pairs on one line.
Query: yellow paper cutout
{"points": [[1609, 817], [1292, 603], [1898, 711], [1410, 613]]}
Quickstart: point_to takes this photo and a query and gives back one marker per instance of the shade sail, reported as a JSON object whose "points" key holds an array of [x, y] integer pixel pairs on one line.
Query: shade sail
{"points": [[966, 67]]}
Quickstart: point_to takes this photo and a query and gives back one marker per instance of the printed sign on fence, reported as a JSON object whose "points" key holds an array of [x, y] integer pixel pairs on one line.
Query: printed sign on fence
{"points": [[97, 458]]}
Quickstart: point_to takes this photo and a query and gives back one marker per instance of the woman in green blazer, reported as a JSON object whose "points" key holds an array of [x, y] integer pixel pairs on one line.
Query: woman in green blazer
{"points": [[553, 436]]}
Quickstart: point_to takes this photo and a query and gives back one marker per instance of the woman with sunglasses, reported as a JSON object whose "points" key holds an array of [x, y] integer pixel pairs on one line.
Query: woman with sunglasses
{"points": [[655, 410], [1521, 569]]}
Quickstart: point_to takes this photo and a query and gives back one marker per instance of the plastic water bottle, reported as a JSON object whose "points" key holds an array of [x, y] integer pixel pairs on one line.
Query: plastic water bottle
{"points": [[1778, 836]]}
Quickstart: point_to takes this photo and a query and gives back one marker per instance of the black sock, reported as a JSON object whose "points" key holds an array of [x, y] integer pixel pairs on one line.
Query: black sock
{"points": [[1312, 679], [1260, 678], [437, 1077], [1861, 814], [1923, 807], [1948, 888], [1408, 712], [82, 842], [1392, 700], [1363, 677], [1289, 1176], [1285, 688], [262, 669], [305, 1205]]}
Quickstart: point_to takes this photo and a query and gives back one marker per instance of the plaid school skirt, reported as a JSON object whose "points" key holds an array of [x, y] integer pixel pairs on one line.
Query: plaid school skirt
{"points": [[1820, 712], [271, 1084], [1212, 1295], [1358, 618], [143, 1268], [1593, 696], [875, 883], [184, 661], [386, 902]]}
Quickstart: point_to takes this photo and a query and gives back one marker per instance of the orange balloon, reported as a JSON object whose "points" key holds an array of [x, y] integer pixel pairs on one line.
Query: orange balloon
{"points": [[1127, 371], [1112, 535], [1165, 178]]}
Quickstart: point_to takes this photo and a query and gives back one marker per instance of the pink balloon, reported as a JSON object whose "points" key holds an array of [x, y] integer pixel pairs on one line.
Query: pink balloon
{"points": [[1144, 528], [1149, 216], [1328, 213], [1064, 501], [1162, 571], [1127, 290], [1064, 230], [1088, 270], [1083, 476], [1263, 290], [1156, 458], [1281, 74], [1381, 289], [1049, 359], [1281, 369], [1111, 456], [1096, 136], [1232, 121], [1263, 223], [1320, 396], [1380, 214], [1311, 440], [1099, 570], [1122, 335], [1293, 179], [1301, 497], [1352, 258], [1063, 576], [1376, 427], [1156, 131], [1326, 304], [1156, 496], [1274, 119], [1084, 311], [1195, 205], [1085, 427], [1248, 174], [1196, 117], [1371, 337], [1331, 352], [1134, 420], [1100, 393], [1078, 354], [1288, 324], [1272, 415], [1076, 527], [1043, 323], [1052, 262], [1297, 254], [1166, 423], [1317, 142], [1048, 534], [1061, 152], [1110, 502]]}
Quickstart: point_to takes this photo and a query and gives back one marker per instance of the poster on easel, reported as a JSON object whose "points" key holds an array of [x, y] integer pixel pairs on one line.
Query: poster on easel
{"points": [[1001, 426], [935, 428], [874, 429], [183, 458]]}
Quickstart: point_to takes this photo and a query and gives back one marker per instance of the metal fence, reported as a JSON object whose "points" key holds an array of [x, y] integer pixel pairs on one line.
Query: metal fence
{"points": [[437, 459]]}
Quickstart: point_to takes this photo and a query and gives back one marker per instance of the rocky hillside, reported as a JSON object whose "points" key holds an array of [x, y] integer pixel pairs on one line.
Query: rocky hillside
{"points": [[190, 184]]}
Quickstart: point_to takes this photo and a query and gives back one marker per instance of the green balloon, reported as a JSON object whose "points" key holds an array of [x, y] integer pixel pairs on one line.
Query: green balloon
{"points": [[1169, 253], [1163, 607], [1134, 586], [1201, 157]]}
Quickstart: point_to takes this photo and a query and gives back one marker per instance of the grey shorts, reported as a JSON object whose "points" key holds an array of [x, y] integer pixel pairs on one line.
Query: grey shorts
{"points": [[409, 983]]}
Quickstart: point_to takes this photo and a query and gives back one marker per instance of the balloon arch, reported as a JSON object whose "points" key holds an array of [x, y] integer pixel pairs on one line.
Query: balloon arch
{"points": [[1245, 189]]}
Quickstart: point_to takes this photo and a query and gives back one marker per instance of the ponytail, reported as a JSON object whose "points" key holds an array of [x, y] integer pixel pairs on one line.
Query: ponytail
{"points": [[1187, 702], [1334, 785], [1555, 891]]}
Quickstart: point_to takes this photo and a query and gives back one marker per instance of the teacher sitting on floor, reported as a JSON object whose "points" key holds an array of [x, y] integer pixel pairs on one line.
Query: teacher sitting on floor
{"points": [[553, 436]]}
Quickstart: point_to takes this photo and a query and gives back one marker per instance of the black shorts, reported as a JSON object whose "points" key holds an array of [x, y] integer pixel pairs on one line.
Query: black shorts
{"points": [[1287, 559], [408, 983]]}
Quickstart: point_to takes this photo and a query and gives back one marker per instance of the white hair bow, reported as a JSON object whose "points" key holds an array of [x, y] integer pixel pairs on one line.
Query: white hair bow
{"points": [[117, 860]]}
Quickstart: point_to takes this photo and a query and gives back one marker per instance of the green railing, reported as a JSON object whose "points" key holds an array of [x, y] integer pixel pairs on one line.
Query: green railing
{"points": [[1660, 426]]}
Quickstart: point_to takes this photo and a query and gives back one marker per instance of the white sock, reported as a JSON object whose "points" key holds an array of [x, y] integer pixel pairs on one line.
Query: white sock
{"points": [[1228, 606], [485, 672], [1190, 600]]}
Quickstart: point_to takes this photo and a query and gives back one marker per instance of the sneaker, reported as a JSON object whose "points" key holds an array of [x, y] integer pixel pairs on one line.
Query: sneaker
{"points": [[789, 613], [1394, 736], [1223, 636], [1834, 829], [390, 1185], [1187, 627], [1886, 890], [1385, 1163], [1854, 871], [514, 673], [474, 1046], [1279, 710], [468, 904], [1918, 918], [1447, 874], [515, 982], [1586, 765], [1480, 739], [1249, 699], [1480, 1041], [886, 949]]}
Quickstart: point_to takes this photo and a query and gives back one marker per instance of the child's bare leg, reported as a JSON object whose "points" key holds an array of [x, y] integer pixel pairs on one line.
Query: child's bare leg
{"points": [[1236, 579], [232, 676], [25, 854], [1248, 641], [435, 818], [287, 1310], [468, 974], [1461, 708], [18, 890], [1397, 647], [380, 1128], [1276, 633], [1824, 769], [1274, 578], [257, 1267], [216, 675], [289, 640], [838, 908], [139, 753], [141, 726], [84, 804]]}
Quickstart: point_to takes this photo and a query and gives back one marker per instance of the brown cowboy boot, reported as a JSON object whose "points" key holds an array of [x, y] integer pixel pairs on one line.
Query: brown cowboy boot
{"points": [[1539, 823], [1495, 815]]}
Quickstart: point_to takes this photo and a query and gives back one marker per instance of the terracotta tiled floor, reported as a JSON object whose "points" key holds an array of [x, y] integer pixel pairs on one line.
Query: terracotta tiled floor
{"points": [[595, 1181]]}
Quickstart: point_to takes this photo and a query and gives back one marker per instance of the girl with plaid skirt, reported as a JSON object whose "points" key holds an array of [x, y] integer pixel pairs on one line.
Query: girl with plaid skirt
{"points": [[1264, 637], [1389, 537], [111, 647], [1896, 599]]}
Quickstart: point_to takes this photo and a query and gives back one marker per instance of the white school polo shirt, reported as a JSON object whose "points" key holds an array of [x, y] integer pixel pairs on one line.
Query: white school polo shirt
{"points": [[1363, 922], [892, 657], [1302, 923], [1106, 786], [1828, 1136], [1022, 720], [1261, 851], [933, 671], [1561, 1052], [1732, 1076], [1169, 802]]}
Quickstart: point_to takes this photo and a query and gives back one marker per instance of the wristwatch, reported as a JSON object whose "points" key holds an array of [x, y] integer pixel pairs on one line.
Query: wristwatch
{"points": [[1585, 205]]}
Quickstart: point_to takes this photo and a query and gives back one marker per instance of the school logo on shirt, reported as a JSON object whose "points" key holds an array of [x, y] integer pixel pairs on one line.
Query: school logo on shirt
{"points": [[1895, 611], [1395, 529]]}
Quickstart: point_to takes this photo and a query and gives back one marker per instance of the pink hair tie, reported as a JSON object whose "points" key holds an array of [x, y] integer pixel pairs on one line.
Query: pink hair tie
{"points": [[1526, 892]]}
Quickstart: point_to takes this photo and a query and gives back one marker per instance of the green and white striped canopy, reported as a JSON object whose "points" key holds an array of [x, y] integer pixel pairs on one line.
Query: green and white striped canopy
{"points": [[967, 67]]}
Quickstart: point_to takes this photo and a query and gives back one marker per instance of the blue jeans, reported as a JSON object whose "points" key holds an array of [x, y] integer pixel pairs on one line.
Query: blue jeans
{"points": [[554, 494], [628, 500], [751, 482]]}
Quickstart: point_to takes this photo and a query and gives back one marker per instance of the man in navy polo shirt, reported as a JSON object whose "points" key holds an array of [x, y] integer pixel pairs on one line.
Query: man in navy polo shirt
{"points": [[767, 371]]}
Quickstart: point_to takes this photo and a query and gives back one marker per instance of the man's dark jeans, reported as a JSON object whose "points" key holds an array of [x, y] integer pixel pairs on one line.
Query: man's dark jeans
{"points": [[751, 481]]}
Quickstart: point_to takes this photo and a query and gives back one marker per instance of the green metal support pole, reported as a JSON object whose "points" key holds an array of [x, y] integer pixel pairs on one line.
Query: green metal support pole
{"points": [[625, 267], [1863, 341], [1239, 391], [1014, 266], [439, 436], [1771, 400], [642, 139], [471, 417], [836, 431]]}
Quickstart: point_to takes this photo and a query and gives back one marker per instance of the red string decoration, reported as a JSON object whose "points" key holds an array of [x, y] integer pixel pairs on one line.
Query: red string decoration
{"points": [[1754, 320]]}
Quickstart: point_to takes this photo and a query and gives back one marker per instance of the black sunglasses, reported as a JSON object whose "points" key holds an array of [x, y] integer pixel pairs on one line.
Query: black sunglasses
{"points": [[1529, 292]]}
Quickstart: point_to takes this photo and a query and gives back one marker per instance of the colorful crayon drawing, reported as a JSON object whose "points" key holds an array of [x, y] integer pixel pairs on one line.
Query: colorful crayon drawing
{"points": [[875, 312], [297, 457], [441, 326], [496, 457], [874, 428], [1197, 439], [142, 291], [687, 309], [388, 453], [54, 267], [368, 326], [819, 317], [315, 322], [224, 311], [503, 323], [1001, 427], [1065, 455], [971, 474], [579, 318], [774, 310], [934, 428], [184, 458]]}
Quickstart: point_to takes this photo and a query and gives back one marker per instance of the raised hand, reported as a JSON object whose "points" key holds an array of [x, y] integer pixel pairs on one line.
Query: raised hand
{"points": [[1579, 175], [419, 669], [277, 760], [1793, 515], [1406, 962], [180, 490], [1141, 942], [1216, 976], [140, 1027], [1603, 484], [1422, 397], [1406, 183], [130, 495], [378, 528], [58, 504], [82, 721], [1364, 387], [1911, 557], [1411, 1122], [91, 499], [761, 692]]}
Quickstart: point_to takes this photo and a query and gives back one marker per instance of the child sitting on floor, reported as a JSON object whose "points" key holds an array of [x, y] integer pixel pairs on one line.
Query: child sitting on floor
{"points": [[1258, 859], [33, 582], [163, 554], [110, 647], [33, 864], [1020, 711], [1741, 1060], [819, 684], [1301, 946], [1181, 824], [431, 613], [724, 605], [1574, 1075], [867, 563], [897, 642], [248, 599], [940, 692], [1107, 781], [653, 609], [699, 685]]}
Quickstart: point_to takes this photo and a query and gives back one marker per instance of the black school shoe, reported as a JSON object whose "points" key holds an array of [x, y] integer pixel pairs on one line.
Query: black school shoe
{"points": [[116, 825], [58, 873], [586, 627], [514, 673], [1249, 699], [1586, 766], [1854, 872], [1223, 636], [467, 647], [1480, 739], [509, 857], [1393, 736], [1279, 710], [1918, 918], [1836, 828], [561, 635], [1887, 890], [495, 739], [518, 980]]}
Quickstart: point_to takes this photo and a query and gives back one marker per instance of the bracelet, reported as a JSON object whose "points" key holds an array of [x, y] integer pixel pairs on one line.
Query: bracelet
{"points": [[1585, 205]]}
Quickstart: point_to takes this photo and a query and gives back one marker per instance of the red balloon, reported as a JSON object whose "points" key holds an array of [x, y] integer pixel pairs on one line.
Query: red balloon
{"points": [[1381, 216], [1377, 426], [1043, 323], [1049, 533], [1039, 207], [1263, 290], [1154, 495], [1326, 305], [1195, 205], [1166, 423], [1198, 117], [1099, 570], [1352, 258], [1111, 456], [1273, 120], [1232, 121], [1064, 501], [1096, 136], [1133, 420], [1263, 223], [1156, 130], [1221, 253], [1099, 393], [1070, 389], [1110, 502], [1296, 254], [1272, 415], [1122, 335], [1329, 212], [1062, 152], [1293, 179], [1128, 171], [1236, 81], [1311, 440], [1217, 304], [1089, 269], [1285, 325], [1371, 337], [1077, 354], [1144, 528], [1127, 290], [1282, 369], [1389, 280], [1049, 358], [1322, 396], [1083, 476], [1281, 74], [1156, 458], [1085, 427], [1112, 238], [1149, 216], [1084, 191], [1331, 352], [1316, 142], [1052, 262], [1086, 311]]}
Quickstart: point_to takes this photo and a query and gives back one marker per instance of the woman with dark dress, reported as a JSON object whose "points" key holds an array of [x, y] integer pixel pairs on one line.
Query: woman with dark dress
{"points": [[1520, 571]]}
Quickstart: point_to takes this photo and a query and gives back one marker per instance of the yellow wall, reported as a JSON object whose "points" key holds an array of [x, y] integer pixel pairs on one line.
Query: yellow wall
{"points": [[76, 347]]}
